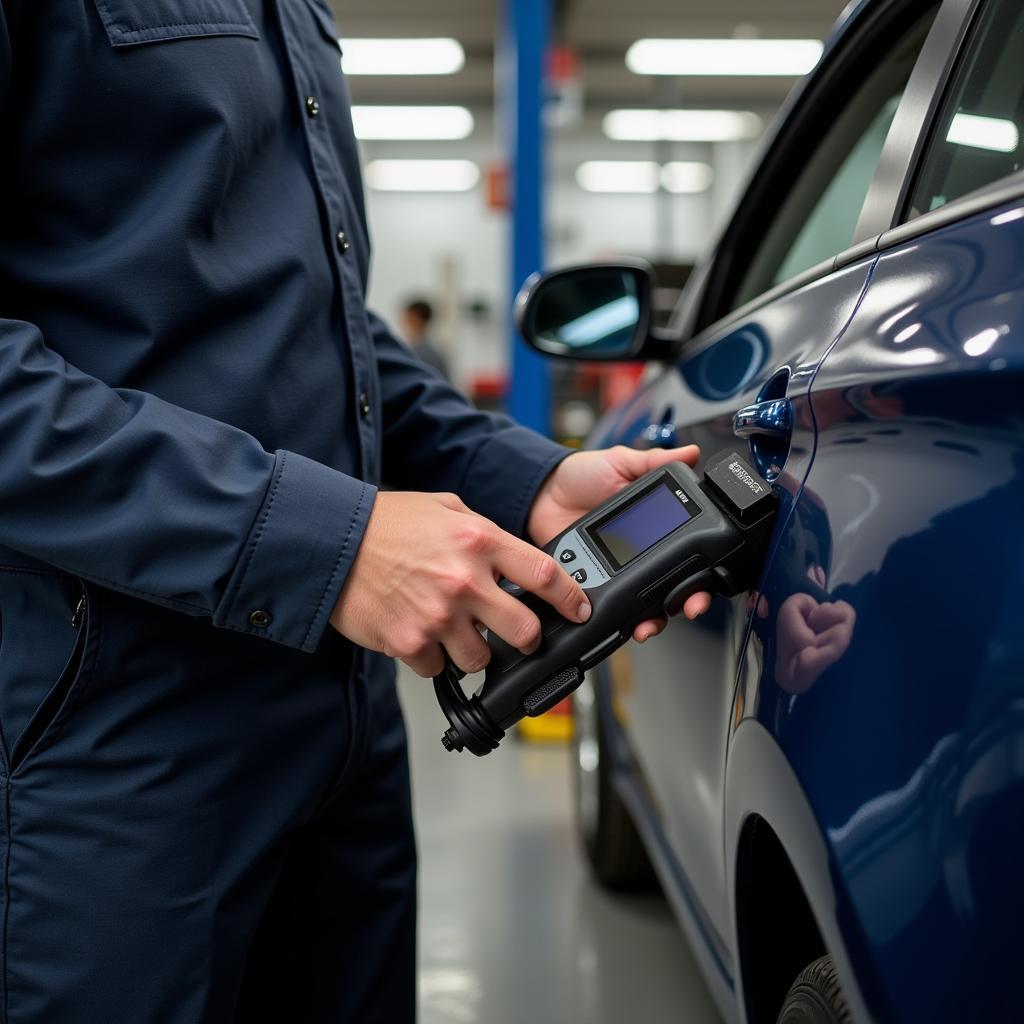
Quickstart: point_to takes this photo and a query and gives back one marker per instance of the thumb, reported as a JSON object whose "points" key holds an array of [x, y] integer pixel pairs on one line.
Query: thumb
{"points": [[658, 457]]}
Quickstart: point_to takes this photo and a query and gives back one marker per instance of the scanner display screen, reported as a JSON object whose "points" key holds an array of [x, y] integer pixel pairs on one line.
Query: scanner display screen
{"points": [[652, 517]]}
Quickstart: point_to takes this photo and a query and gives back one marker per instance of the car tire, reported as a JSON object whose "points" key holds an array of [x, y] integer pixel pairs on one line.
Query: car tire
{"points": [[607, 832], [816, 997]]}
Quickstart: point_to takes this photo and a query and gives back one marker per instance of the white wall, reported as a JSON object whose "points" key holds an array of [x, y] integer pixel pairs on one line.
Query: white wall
{"points": [[413, 237]]}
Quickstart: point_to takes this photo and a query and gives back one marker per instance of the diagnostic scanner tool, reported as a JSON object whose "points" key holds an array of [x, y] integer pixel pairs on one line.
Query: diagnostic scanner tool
{"points": [[638, 556]]}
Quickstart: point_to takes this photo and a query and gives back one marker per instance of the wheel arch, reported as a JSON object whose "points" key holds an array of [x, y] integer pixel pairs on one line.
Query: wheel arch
{"points": [[779, 867]]}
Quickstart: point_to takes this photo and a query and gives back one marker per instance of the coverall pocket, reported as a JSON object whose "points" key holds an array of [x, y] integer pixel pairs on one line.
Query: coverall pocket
{"points": [[135, 22], [47, 636], [325, 20]]}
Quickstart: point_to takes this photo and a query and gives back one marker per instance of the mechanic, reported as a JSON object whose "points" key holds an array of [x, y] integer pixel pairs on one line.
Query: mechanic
{"points": [[206, 810], [417, 315]]}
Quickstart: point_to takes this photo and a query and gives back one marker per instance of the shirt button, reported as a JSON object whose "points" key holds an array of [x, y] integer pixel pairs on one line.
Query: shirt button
{"points": [[312, 106], [364, 405], [260, 619], [343, 243]]}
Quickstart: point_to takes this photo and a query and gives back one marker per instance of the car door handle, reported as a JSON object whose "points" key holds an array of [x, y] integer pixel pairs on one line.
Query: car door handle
{"points": [[773, 418]]}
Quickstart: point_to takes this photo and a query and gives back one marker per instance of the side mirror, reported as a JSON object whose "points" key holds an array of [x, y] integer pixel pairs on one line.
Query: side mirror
{"points": [[596, 312]]}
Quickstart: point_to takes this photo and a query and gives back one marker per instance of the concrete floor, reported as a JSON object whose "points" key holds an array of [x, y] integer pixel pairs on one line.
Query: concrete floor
{"points": [[512, 928]]}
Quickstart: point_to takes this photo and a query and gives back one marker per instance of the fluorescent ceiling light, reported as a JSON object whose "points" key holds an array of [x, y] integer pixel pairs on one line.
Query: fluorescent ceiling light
{"points": [[681, 176], [994, 133], [422, 175], [643, 176], [681, 125], [639, 176], [402, 57], [421, 123], [723, 56]]}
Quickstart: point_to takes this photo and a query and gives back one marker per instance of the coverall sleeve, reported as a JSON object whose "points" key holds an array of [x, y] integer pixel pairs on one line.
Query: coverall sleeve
{"points": [[129, 491], [435, 440], [145, 497]]}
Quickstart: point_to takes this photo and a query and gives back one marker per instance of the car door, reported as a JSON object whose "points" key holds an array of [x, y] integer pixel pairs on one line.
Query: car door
{"points": [[765, 309], [907, 728]]}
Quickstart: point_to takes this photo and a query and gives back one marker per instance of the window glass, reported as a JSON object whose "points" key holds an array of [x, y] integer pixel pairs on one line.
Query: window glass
{"points": [[979, 136], [818, 213], [829, 229]]}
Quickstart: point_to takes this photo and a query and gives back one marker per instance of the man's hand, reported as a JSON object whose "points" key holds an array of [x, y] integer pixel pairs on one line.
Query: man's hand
{"points": [[426, 575], [583, 480]]}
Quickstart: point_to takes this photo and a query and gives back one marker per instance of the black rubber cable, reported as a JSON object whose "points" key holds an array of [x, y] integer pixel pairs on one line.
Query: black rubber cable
{"points": [[471, 728]]}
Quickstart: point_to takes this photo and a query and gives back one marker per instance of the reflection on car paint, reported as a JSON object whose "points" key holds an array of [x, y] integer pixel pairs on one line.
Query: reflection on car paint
{"points": [[909, 743], [679, 705], [730, 365]]}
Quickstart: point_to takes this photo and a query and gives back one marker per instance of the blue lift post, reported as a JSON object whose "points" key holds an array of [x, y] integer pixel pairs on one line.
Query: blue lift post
{"points": [[525, 44]]}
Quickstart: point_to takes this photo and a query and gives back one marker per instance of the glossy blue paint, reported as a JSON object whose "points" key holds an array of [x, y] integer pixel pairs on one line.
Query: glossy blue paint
{"points": [[679, 703], [867, 703], [731, 364], [891, 659], [527, 28], [884, 655]]}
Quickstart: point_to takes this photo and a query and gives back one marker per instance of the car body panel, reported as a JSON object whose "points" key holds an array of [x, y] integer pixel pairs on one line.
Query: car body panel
{"points": [[888, 761], [677, 694], [909, 744]]}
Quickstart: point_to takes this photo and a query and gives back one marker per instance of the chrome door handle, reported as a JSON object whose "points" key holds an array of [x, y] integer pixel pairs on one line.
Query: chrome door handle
{"points": [[773, 418]]}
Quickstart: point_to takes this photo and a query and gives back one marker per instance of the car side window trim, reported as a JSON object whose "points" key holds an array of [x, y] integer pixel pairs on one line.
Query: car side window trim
{"points": [[708, 335], [908, 134], [965, 81], [1006, 190], [1000, 192], [711, 288]]}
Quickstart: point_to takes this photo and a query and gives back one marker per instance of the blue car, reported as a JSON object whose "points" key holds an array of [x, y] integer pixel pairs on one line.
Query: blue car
{"points": [[827, 775]]}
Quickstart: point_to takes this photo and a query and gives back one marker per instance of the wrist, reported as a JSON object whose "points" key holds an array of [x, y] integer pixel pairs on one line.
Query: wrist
{"points": [[538, 526]]}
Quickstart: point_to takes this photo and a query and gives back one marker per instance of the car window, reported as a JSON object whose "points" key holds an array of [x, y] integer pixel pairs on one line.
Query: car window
{"points": [[830, 226], [817, 216], [979, 134]]}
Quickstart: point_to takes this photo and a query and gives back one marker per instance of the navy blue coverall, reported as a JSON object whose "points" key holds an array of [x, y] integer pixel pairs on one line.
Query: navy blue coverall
{"points": [[205, 805]]}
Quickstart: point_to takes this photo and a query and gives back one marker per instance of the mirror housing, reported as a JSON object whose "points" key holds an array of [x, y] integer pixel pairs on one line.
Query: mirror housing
{"points": [[595, 312]]}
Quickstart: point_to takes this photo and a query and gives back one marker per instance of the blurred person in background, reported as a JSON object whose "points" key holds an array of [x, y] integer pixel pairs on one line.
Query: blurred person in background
{"points": [[417, 315]]}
